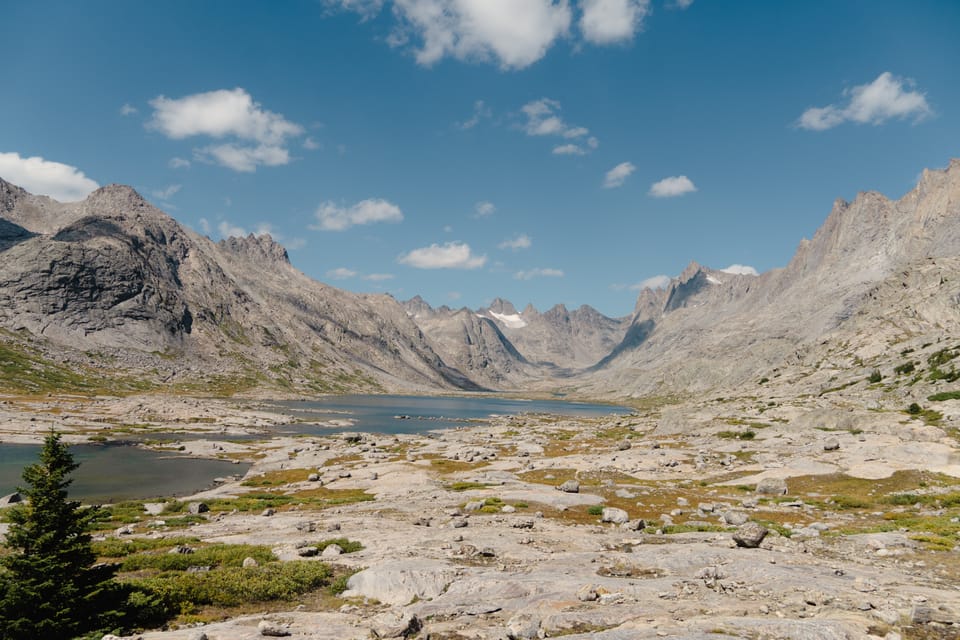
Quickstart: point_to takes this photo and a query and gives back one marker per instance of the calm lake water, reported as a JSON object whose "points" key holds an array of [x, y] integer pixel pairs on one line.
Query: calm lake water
{"points": [[121, 472], [109, 473], [417, 414]]}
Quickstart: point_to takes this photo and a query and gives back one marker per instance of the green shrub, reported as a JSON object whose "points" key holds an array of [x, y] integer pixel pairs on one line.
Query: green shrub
{"points": [[914, 409], [595, 510], [944, 395], [348, 546], [234, 586], [905, 368], [217, 555], [875, 376]]}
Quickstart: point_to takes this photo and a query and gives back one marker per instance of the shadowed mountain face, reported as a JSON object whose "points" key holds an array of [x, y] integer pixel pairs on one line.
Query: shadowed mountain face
{"points": [[113, 274], [115, 283]]}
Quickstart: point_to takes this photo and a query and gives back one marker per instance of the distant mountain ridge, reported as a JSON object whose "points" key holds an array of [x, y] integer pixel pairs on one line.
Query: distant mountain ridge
{"points": [[114, 283]]}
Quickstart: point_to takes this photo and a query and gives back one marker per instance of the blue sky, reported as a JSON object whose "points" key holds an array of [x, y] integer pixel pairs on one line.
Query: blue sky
{"points": [[543, 151]]}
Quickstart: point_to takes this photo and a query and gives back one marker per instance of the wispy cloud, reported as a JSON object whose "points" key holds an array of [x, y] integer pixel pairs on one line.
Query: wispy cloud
{"points": [[538, 273], [653, 282], [451, 255], [480, 112], [543, 119], [44, 177], [612, 21], [341, 273], [885, 98], [259, 136], [128, 110], [167, 192], [521, 241], [484, 209], [672, 187], [178, 163], [333, 217], [740, 269], [618, 175]]}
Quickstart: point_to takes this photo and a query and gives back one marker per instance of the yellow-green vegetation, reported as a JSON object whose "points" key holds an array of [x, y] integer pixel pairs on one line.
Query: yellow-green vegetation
{"points": [[277, 478], [26, 371], [737, 435], [446, 465], [346, 544], [467, 486]]}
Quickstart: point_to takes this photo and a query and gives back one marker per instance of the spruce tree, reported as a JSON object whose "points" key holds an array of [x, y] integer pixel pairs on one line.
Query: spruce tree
{"points": [[50, 587]]}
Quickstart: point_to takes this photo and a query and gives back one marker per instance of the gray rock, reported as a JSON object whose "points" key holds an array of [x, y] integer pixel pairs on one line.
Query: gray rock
{"points": [[735, 518], [313, 477], [395, 624], [268, 512], [523, 626], [458, 523], [614, 515], [197, 507], [10, 499], [474, 505], [588, 593], [925, 614], [272, 629], [750, 535], [332, 551], [772, 487], [832, 444], [623, 445], [249, 562], [307, 552], [570, 486]]}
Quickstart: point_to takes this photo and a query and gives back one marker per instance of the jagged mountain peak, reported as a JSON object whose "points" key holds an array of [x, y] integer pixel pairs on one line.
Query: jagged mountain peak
{"points": [[503, 307], [261, 248]]}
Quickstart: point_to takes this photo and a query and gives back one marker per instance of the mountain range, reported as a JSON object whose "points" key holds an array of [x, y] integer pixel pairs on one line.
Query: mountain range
{"points": [[113, 289]]}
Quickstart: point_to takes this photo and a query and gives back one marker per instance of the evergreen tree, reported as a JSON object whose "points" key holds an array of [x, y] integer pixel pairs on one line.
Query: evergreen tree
{"points": [[49, 585]]}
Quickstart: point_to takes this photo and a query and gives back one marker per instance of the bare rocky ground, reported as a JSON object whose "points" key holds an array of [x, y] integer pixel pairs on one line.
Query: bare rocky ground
{"points": [[469, 535]]}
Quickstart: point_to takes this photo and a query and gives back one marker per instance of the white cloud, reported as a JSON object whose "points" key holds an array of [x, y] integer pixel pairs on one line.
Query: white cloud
{"points": [[167, 192], [682, 4], [741, 270], [341, 273], [333, 217], [480, 112], [874, 103], [514, 33], [543, 119], [454, 295], [451, 255], [616, 176], [128, 110], [44, 177], [569, 150], [311, 145], [538, 273], [228, 229], [672, 187], [521, 241], [654, 282], [483, 209], [178, 163], [611, 21], [244, 159], [378, 277], [262, 134], [204, 226], [366, 8]]}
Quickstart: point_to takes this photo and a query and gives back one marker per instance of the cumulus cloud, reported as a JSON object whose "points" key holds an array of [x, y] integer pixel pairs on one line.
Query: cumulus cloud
{"points": [[260, 136], [45, 177], [521, 241], [543, 119], [616, 176], [378, 277], [333, 217], [167, 192], [341, 273], [451, 255], [538, 273], [672, 187], [512, 33], [611, 21], [740, 270], [874, 103], [483, 209]]}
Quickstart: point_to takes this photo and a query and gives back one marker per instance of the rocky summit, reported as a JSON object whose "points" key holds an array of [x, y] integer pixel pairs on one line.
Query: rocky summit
{"points": [[784, 463]]}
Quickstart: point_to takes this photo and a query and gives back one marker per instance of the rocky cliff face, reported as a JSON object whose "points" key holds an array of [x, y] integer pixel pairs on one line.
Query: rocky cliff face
{"points": [[710, 329], [115, 275]]}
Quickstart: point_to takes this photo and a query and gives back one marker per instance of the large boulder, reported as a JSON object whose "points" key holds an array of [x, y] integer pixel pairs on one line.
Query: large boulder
{"points": [[401, 581]]}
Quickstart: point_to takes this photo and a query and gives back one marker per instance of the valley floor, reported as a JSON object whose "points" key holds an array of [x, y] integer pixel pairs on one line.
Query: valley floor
{"points": [[543, 526]]}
